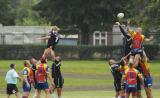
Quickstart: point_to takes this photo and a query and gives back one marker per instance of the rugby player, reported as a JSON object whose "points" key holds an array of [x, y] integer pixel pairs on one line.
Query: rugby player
{"points": [[123, 68], [58, 79], [27, 79], [42, 74], [137, 50], [53, 39], [147, 76], [33, 62], [127, 39], [130, 77], [114, 68]]}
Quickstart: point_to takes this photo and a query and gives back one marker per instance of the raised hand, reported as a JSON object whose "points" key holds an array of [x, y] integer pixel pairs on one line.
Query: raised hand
{"points": [[117, 23]]}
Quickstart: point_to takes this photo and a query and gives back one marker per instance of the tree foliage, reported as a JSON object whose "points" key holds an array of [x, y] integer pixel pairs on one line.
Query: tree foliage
{"points": [[26, 16], [86, 15], [6, 13], [20, 12], [145, 13]]}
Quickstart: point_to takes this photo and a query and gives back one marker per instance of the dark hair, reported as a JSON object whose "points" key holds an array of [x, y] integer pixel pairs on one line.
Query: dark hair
{"points": [[12, 65], [130, 64], [110, 60], [43, 60]]}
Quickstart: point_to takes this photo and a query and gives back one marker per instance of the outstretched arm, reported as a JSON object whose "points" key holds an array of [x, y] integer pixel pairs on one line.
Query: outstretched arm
{"points": [[123, 31], [44, 38], [128, 27], [149, 39]]}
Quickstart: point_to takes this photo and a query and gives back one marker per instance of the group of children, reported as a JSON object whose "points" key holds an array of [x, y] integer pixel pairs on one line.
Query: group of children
{"points": [[132, 71], [37, 73]]}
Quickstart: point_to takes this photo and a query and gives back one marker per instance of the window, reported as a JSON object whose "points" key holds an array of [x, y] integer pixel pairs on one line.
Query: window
{"points": [[103, 34], [103, 42], [97, 35], [99, 38], [97, 42]]}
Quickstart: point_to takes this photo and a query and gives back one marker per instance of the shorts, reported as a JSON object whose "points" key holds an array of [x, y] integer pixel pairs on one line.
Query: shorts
{"points": [[11, 89], [131, 89], [26, 88], [148, 81], [138, 84], [139, 69], [127, 50], [117, 86], [50, 45], [137, 51], [34, 85], [58, 82], [42, 86], [124, 86]]}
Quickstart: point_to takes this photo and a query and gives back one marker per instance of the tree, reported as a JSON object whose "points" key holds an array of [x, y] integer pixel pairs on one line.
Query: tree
{"points": [[6, 13], [86, 15], [145, 13], [25, 15], [152, 20]]}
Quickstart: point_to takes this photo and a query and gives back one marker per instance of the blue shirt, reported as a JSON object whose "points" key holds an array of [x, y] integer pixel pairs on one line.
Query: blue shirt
{"points": [[11, 77]]}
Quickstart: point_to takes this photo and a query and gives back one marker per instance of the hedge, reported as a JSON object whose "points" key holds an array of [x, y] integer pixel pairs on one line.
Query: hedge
{"points": [[70, 52]]}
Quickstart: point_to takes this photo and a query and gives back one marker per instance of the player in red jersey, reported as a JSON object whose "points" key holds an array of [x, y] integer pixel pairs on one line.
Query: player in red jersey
{"points": [[42, 74], [130, 77]]}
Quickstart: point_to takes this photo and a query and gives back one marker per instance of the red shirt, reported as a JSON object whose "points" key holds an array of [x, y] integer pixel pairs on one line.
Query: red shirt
{"points": [[137, 41], [131, 75]]}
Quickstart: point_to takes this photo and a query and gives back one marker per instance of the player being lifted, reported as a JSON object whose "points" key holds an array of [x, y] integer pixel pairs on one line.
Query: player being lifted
{"points": [[127, 42], [53, 39], [133, 42]]}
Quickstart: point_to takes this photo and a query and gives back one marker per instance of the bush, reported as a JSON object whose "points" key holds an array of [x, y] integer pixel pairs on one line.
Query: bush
{"points": [[70, 52]]}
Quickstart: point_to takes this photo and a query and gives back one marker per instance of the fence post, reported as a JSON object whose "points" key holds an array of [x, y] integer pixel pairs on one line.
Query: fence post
{"points": [[3, 38]]}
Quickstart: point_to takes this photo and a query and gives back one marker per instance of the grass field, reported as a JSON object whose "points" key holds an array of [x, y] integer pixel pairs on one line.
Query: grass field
{"points": [[83, 79], [89, 94]]}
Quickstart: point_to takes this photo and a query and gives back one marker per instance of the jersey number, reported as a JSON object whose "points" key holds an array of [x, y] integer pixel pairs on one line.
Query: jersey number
{"points": [[131, 74], [56, 39], [40, 70]]}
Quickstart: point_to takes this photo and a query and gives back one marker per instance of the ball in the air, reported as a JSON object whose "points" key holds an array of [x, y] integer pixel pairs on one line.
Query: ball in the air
{"points": [[120, 15]]}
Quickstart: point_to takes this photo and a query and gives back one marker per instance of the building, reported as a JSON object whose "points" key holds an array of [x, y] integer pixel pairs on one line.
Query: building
{"points": [[29, 34]]}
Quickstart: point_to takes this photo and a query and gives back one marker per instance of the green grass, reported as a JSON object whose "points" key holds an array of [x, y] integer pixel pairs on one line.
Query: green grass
{"points": [[89, 94], [155, 67], [86, 82], [93, 68], [87, 72], [73, 67], [86, 67], [80, 67]]}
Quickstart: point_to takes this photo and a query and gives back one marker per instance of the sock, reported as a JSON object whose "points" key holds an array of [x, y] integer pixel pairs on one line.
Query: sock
{"points": [[59, 97]]}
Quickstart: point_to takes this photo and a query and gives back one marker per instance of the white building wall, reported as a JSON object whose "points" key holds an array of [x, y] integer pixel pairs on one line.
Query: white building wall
{"points": [[117, 37]]}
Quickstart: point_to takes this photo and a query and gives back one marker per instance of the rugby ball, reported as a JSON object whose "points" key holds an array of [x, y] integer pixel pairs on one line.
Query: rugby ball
{"points": [[120, 15]]}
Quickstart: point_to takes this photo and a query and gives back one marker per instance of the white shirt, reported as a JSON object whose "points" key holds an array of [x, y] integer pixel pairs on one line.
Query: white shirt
{"points": [[11, 77]]}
